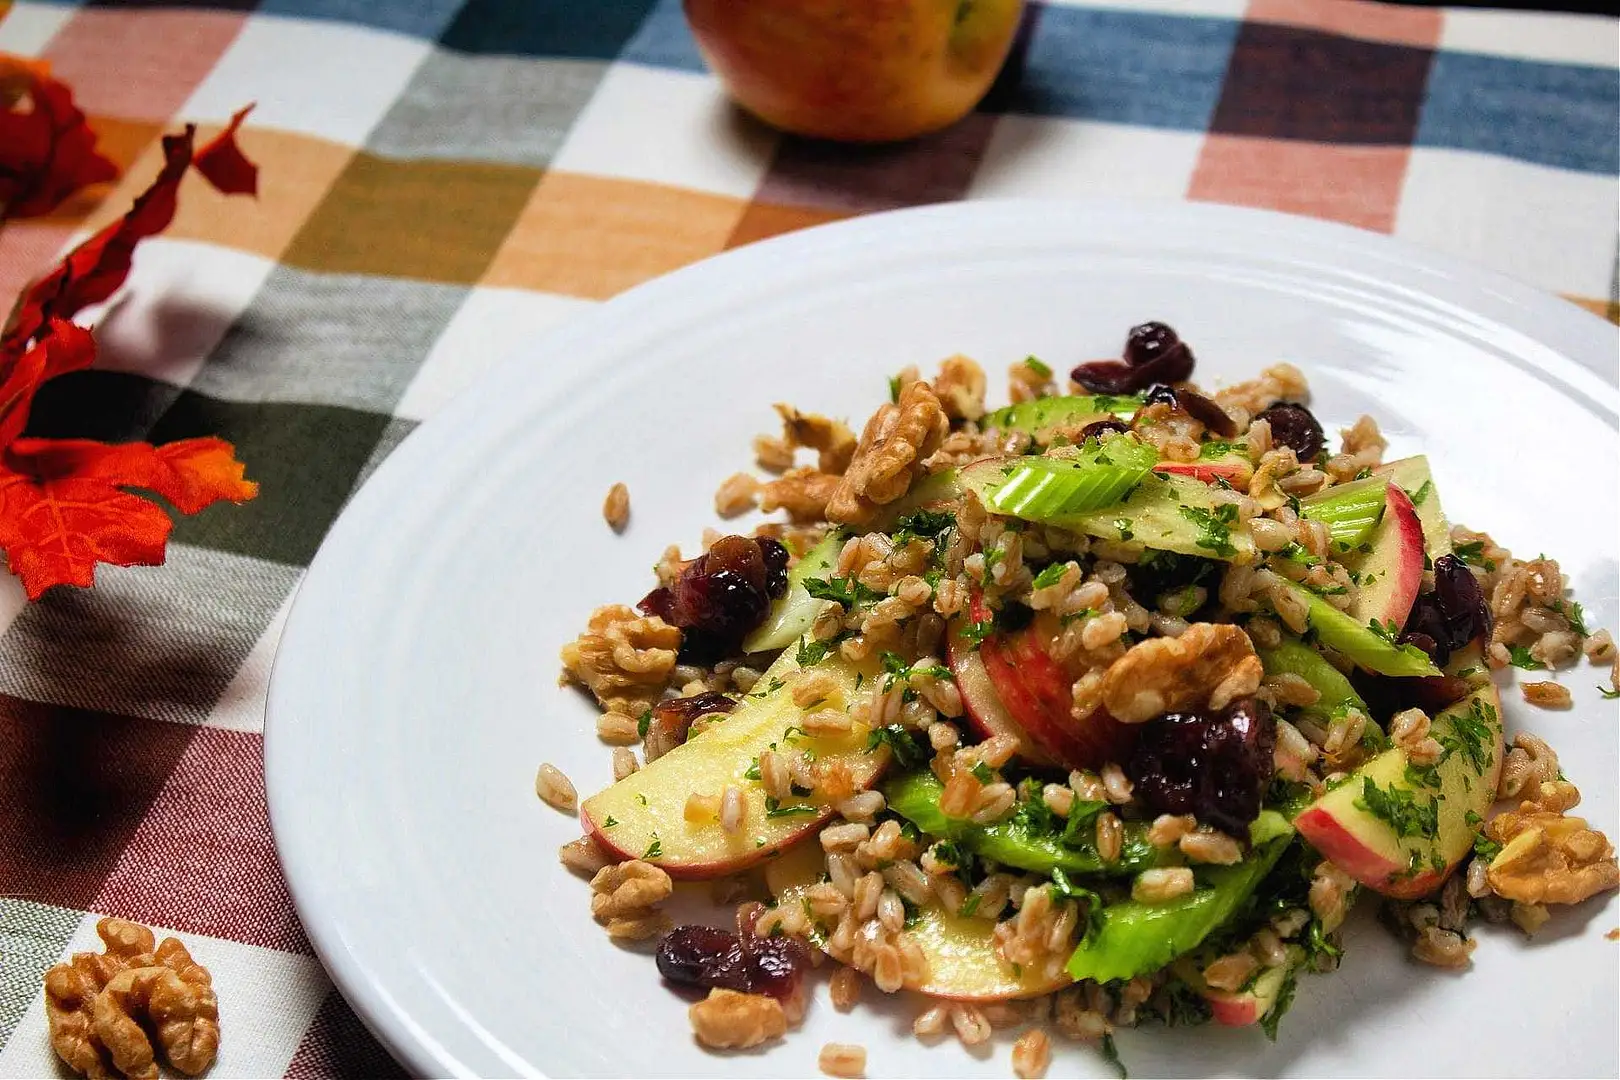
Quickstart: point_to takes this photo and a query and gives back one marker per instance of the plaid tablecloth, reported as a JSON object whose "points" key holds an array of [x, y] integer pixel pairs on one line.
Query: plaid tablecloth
{"points": [[442, 181]]}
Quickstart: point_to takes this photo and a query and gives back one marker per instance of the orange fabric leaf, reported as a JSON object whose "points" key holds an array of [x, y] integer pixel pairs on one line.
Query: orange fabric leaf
{"points": [[48, 151], [66, 348], [191, 473], [62, 507], [223, 164]]}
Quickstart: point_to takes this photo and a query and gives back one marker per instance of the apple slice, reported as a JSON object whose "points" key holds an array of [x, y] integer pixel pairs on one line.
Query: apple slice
{"points": [[1402, 831], [1039, 696], [985, 709], [1412, 474], [963, 964], [643, 816], [1388, 577], [793, 613], [1235, 473], [1244, 1007]]}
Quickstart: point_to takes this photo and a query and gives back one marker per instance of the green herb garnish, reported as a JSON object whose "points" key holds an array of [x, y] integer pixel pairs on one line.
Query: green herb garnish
{"points": [[1039, 367], [654, 849], [1216, 527], [1398, 809], [1520, 657]]}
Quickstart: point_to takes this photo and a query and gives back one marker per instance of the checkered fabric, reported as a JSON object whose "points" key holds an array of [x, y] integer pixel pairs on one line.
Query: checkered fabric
{"points": [[441, 181]]}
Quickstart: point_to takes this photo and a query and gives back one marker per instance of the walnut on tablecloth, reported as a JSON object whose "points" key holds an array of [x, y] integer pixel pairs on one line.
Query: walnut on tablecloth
{"points": [[103, 1009]]}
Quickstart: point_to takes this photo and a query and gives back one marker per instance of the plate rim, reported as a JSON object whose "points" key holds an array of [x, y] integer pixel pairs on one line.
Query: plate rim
{"points": [[367, 996]]}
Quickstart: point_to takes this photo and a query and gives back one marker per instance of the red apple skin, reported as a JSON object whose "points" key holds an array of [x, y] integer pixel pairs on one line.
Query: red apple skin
{"points": [[855, 70], [985, 710], [705, 871], [1038, 693], [1233, 1010], [1340, 847], [1204, 472], [1397, 559]]}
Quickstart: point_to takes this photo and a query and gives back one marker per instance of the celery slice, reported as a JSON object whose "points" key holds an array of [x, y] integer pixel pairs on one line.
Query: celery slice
{"points": [[1292, 656], [1350, 511]]}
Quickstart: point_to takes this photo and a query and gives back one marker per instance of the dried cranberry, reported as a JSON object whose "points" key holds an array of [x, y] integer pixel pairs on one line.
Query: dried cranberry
{"points": [[703, 956], [1195, 405], [1215, 767], [1153, 354], [1148, 342], [1386, 696], [1293, 426], [1454, 614], [672, 718], [721, 595], [1098, 428], [708, 957]]}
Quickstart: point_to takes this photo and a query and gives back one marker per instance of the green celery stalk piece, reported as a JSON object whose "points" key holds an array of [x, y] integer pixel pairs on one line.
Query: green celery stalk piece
{"points": [[1350, 511], [1046, 489], [915, 797], [793, 613], [1293, 656], [1339, 631], [1137, 939], [1040, 413]]}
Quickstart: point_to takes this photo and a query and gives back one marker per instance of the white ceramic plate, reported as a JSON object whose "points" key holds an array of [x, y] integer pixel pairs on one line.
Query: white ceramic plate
{"points": [[415, 691]]}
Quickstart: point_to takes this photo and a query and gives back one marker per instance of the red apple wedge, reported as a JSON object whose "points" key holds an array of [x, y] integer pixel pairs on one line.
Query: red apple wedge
{"points": [[1391, 573], [1244, 1007], [963, 964], [1412, 474], [1402, 831], [1232, 468], [644, 816], [985, 709], [1038, 695]]}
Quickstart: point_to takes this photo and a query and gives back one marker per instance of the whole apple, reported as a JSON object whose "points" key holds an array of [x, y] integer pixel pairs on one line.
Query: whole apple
{"points": [[856, 70]]}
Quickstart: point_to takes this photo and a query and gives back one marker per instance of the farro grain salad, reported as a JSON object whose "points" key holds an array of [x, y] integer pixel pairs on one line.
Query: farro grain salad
{"points": [[1098, 709]]}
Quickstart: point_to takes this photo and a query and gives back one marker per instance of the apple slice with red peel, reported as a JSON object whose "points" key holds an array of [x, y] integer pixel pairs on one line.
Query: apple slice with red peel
{"points": [[644, 816], [1402, 831], [1390, 575], [1244, 1007], [1038, 695], [1232, 467], [1412, 474], [984, 707], [963, 964]]}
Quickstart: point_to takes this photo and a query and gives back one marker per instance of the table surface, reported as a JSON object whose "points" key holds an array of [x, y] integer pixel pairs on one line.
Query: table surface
{"points": [[443, 180]]}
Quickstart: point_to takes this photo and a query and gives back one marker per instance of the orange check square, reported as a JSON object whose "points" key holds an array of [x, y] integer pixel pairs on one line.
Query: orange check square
{"points": [[1391, 23], [763, 220], [1358, 185], [593, 237]]}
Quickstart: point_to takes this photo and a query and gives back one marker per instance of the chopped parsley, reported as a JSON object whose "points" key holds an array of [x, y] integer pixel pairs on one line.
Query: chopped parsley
{"points": [[1427, 776], [1385, 631], [811, 653], [845, 591], [1572, 611], [774, 809], [970, 905], [1520, 657], [1296, 552], [1285, 998], [1124, 527], [1050, 576], [1397, 808], [907, 749], [641, 798], [752, 772], [643, 723], [1216, 527], [770, 688], [1609, 693], [1215, 448], [1471, 818], [894, 389], [1064, 889], [923, 525], [1471, 736], [981, 772], [974, 633], [654, 849], [1421, 493], [1038, 366], [1473, 553], [1486, 848], [610, 822]]}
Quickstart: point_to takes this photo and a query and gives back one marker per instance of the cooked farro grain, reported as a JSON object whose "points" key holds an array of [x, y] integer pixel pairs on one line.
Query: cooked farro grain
{"points": [[555, 788], [1600, 648], [842, 1059], [845, 988], [1231, 971], [731, 810], [844, 837], [1162, 884], [1031, 1054], [618, 729], [969, 1024], [583, 856], [616, 507], [1110, 836], [931, 1021], [1168, 829], [624, 762], [824, 722], [1548, 695], [1442, 948], [1116, 784], [1209, 846]]}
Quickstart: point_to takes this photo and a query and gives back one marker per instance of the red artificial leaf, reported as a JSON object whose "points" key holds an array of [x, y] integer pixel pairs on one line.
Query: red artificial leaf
{"points": [[62, 507], [48, 151], [222, 162], [66, 348]]}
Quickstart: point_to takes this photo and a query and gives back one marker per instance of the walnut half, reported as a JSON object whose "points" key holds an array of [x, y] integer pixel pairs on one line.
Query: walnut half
{"points": [[103, 1009], [892, 447], [623, 657], [1548, 857], [1210, 664]]}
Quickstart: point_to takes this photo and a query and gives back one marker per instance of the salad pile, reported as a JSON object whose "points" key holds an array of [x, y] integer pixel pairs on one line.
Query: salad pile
{"points": [[1097, 709]]}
